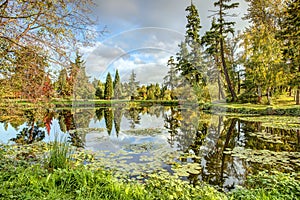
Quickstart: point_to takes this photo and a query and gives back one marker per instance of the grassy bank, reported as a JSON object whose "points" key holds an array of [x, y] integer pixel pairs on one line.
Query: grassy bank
{"points": [[280, 108], [29, 172], [291, 110]]}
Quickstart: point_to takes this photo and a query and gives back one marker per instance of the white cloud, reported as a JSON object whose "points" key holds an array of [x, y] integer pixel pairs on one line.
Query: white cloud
{"points": [[143, 35]]}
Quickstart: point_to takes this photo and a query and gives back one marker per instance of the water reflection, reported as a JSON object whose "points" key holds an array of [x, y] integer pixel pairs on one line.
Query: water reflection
{"points": [[204, 138]]}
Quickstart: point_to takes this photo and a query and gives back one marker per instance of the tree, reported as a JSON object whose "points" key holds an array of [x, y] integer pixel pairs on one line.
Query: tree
{"points": [[108, 91], [117, 86], [157, 92], [225, 27], [54, 27], [142, 91], [133, 84], [171, 79], [99, 93], [263, 60], [108, 116], [190, 63], [151, 92], [79, 81], [62, 85], [212, 43], [291, 38], [263, 54], [28, 75], [118, 113]]}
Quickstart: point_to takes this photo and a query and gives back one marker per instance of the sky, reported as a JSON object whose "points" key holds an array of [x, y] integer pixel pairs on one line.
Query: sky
{"points": [[142, 35]]}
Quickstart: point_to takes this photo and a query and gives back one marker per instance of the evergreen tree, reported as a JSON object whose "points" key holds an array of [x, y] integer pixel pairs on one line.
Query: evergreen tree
{"points": [[108, 91], [133, 84], [117, 86], [117, 119], [108, 116], [212, 43], [99, 114], [79, 81], [224, 27], [171, 79], [99, 93], [190, 63]]}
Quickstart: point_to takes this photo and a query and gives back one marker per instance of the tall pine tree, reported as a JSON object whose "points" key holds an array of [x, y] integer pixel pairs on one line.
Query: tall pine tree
{"points": [[117, 86], [225, 27], [108, 90], [133, 84]]}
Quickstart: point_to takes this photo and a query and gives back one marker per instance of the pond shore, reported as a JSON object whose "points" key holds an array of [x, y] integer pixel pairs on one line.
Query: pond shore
{"points": [[215, 107], [25, 173]]}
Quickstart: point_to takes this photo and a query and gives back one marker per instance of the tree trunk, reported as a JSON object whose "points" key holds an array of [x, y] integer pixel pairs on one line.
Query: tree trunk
{"points": [[221, 93], [227, 78], [268, 96], [298, 96], [239, 83], [259, 95], [290, 91]]}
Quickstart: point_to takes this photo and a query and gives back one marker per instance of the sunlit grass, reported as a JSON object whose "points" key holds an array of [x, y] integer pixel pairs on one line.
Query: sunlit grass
{"points": [[59, 154]]}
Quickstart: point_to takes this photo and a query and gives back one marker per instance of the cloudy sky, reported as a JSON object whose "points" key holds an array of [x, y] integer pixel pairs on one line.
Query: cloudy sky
{"points": [[142, 35]]}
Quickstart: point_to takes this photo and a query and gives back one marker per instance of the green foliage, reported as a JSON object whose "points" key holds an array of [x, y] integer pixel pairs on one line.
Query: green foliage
{"points": [[82, 88], [216, 39], [108, 91], [99, 93], [21, 179], [108, 116], [133, 84], [59, 154], [171, 79], [290, 35], [165, 186], [117, 86], [269, 186]]}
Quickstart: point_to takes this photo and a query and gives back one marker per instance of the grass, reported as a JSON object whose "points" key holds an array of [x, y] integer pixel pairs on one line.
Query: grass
{"points": [[28, 179], [282, 106], [268, 186], [59, 154], [24, 178]]}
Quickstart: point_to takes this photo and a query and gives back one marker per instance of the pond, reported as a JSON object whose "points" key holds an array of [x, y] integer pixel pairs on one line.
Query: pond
{"points": [[220, 149]]}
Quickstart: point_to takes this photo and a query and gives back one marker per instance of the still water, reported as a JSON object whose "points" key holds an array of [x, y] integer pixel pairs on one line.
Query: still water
{"points": [[220, 149]]}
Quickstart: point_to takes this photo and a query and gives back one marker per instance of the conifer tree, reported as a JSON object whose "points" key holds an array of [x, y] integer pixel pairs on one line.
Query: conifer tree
{"points": [[118, 113], [117, 86], [170, 80], [133, 84], [108, 91], [99, 92], [108, 116], [223, 28], [79, 81], [190, 62]]}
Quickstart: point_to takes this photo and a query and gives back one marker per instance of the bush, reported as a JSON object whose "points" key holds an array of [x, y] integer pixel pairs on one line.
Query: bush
{"points": [[269, 186]]}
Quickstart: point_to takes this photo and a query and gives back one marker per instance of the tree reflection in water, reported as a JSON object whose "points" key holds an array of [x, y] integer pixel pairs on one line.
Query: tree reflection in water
{"points": [[188, 130]]}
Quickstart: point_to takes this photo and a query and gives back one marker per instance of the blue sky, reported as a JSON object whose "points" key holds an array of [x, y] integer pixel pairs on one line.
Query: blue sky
{"points": [[142, 35]]}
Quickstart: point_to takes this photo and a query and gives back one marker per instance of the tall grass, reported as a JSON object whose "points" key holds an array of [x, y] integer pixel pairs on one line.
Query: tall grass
{"points": [[266, 186], [59, 154]]}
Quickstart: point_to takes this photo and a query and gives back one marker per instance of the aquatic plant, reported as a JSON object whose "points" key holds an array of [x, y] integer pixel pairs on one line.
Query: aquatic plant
{"points": [[59, 154]]}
